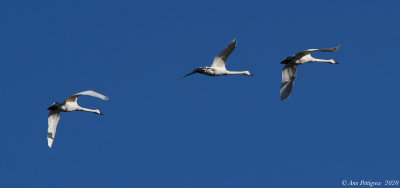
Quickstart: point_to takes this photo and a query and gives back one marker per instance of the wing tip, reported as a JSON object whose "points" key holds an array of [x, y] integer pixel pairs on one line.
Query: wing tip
{"points": [[50, 142], [93, 94], [284, 95], [234, 42]]}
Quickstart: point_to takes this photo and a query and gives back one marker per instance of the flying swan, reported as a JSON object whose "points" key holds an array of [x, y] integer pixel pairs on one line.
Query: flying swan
{"points": [[218, 66], [70, 104], [291, 63]]}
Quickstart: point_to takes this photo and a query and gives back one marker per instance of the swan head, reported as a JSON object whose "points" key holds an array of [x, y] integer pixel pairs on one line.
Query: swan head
{"points": [[334, 62], [98, 112], [248, 73]]}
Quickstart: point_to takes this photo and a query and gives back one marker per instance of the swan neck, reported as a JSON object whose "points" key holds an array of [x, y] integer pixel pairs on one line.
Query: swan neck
{"points": [[237, 72], [87, 110], [322, 60]]}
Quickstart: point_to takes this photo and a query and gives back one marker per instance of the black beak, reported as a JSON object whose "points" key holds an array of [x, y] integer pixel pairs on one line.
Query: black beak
{"points": [[190, 74], [101, 113], [193, 72]]}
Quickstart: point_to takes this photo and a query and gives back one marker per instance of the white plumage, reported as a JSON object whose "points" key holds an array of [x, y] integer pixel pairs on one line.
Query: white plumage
{"points": [[218, 67], [291, 64], [70, 104]]}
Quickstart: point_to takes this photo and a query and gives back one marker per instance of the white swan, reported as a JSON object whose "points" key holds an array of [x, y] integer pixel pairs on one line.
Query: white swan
{"points": [[218, 66], [291, 63], [70, 104]]}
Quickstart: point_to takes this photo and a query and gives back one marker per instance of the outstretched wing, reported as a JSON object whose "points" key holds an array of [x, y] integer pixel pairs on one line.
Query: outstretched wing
{"points": [[288, 77], [74, 98], [54, 117], [309, 51], [220, 59]]}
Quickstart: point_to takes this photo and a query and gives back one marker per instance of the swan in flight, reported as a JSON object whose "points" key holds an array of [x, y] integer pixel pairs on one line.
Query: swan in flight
{"points": [[218, 66], [291, 63], [70, 104]]}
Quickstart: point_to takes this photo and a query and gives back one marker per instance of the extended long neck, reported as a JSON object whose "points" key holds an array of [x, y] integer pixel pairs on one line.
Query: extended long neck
{"points": [[331, 61], [238, 72], [89, 110]]}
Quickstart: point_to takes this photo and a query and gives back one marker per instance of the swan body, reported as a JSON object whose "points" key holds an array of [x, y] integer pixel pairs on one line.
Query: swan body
{"points": [[218, 67], [70, 104], [291, 64]]}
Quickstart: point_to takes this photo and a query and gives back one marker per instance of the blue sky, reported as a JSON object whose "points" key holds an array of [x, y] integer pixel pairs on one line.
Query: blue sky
{"points": [[162, 131]]}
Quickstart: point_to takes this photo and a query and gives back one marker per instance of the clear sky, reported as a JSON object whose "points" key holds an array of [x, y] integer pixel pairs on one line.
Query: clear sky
{"points": [[340, 123]]}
